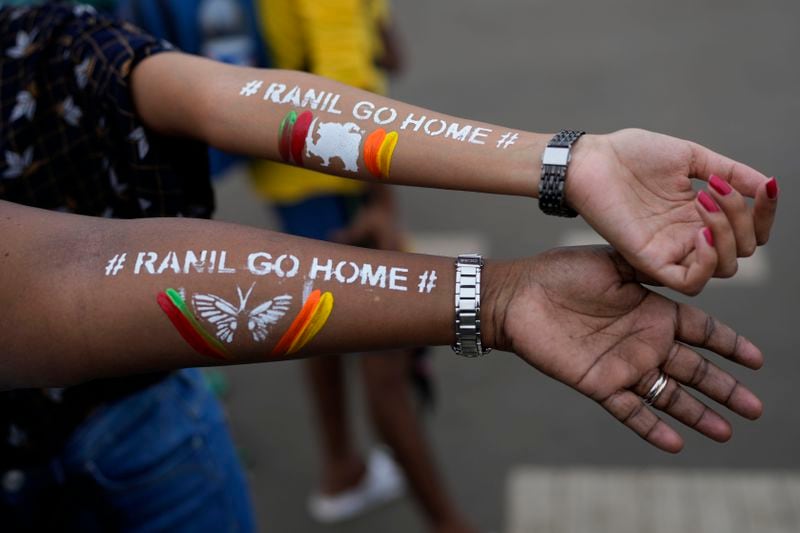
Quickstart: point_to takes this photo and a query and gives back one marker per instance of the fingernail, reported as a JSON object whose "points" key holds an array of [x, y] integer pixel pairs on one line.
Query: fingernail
{"points": [[707, 202], [709, 236], [772, 188], [719, 185]]}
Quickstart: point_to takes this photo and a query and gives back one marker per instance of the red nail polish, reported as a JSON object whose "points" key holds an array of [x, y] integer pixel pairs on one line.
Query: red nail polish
{"points": [[772, 188], [719, 185], [709, 236], [707, 202]]}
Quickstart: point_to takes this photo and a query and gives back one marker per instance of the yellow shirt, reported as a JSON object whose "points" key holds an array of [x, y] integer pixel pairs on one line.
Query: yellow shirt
{"points": [[338, 39]]}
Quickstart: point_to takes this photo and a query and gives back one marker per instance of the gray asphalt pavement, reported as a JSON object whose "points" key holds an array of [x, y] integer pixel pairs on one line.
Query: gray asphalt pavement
{"points": [[723, 73]]}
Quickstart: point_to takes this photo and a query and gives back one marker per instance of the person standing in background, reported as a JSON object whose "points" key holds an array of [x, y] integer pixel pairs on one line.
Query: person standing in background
{"points": [[351, 41]]}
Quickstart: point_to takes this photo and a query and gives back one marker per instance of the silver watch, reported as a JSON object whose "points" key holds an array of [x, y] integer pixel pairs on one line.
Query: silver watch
{"points": [[468, 306], [552, 183]]}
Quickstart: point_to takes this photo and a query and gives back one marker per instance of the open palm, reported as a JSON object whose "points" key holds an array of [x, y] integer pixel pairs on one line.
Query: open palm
{"points": [[580, 316]]}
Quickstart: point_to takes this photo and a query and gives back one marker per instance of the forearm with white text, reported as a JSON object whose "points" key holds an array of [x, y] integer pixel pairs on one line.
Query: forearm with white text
{"points": [[306, 120], [167, 293]]}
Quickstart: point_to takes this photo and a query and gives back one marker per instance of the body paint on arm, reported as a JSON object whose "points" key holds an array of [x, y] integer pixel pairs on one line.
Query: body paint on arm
{"points": [[303, 137], [378, 150], [318, 319], [299, 134], [262, 263], [382, 115], [285, 136], [308, 322], [226, 317], [211, 324], [297, 325], [192, 332]]}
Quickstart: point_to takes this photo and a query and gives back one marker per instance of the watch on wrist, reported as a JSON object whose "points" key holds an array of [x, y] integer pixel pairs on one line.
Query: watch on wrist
{"points": [[468, 306], [552, 184]]}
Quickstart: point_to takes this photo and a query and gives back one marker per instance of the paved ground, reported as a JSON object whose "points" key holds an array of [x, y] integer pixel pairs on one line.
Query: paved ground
{"points": [[564, 500], [722, 73]]}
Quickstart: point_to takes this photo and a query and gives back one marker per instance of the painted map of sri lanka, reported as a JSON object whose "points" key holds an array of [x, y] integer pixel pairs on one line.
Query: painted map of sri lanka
{"points": [[334, 140]]}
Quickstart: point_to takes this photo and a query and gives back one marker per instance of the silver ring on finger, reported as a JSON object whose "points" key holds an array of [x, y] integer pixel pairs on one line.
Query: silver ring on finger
{"points": [[656, 389]]}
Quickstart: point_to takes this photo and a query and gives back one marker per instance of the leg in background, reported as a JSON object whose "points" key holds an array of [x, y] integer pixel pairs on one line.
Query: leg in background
{"points": [[342, 466], [394, 416]]}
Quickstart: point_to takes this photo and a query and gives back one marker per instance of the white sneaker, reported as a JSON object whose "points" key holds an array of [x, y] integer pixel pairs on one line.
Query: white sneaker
{"points": [[382, 483]]}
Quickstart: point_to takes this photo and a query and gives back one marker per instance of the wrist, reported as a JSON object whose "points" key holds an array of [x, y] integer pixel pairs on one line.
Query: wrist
{"points": [[577, 170], [499, 280], [531, 169], [514, 171]]}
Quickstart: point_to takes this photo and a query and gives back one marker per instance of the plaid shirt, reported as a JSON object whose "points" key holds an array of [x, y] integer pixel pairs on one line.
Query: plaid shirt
{"points": [[70, 140]]}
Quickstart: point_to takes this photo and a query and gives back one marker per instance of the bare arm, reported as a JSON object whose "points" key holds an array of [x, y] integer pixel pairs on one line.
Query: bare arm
{"points": [[79, 308], [634, 187], [225, 109], [86, 297]]}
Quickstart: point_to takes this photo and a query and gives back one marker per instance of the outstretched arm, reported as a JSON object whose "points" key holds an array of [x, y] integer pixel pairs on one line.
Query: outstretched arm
{"points": [[634, 187], [88, 297], [85, 296], [580, 316]]}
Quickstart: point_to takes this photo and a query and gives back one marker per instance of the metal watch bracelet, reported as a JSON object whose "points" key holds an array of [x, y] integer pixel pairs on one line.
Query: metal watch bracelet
{"points": [[468, 306], [552, 184]]}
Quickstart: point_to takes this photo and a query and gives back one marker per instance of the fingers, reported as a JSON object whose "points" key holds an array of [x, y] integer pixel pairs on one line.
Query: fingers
{"points": [[706, 163], [696, 327], [686, 409], [737, 212], [722, 231], [629, 409], [691, 275], [744, 229], [683, 366], [694, 370], [764, 210], [749, 228]]}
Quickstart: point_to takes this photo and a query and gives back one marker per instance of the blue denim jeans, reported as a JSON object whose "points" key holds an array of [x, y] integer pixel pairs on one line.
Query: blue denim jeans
{"points": [[160, 459]]}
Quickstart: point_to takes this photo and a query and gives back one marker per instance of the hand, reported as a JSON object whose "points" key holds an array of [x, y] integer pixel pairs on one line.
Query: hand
{"points": [[580, 316], [634, 187]]}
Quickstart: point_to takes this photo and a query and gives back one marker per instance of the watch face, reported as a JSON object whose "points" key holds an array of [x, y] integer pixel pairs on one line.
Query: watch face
{"points": [[556, 156], [470, 260]]}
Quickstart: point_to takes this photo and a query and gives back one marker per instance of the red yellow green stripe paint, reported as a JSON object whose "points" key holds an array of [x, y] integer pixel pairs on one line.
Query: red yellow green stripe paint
{"points": [[187, 325], [285, 136], [292, 136], [378, 151], [318, 319], [308, 322], [386, 152], [297, 325], [299, 133], [371, 147]]}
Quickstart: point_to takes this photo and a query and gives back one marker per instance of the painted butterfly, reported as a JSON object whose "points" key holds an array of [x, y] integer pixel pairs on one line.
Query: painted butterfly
{"points": [[226, 317]]}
